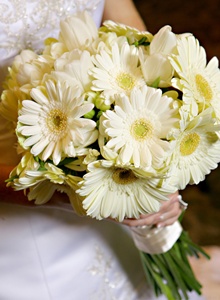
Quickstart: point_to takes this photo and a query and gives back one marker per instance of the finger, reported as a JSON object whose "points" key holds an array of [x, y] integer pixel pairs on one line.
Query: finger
{"points": [[165, 212], [174, 210], [168, 213], [167, 222], [166, 206], [174, 195], [148, 220]]}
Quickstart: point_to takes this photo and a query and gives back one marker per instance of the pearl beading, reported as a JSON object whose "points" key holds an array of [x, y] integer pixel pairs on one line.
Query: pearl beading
{"points": [[25, 24]]}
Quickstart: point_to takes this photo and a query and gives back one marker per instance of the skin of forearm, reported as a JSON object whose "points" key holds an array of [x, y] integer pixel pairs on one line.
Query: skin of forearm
{"points": [[125, 12]]}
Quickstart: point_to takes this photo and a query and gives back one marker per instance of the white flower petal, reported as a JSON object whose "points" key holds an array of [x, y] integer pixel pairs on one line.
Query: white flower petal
{"points": [[55, 127], [137, 127], [115, 192], [198, 82]]}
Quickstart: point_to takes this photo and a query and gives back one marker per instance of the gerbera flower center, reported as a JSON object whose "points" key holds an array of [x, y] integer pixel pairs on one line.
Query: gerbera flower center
{"points": [[141, 129], [125, 81], [203, 87], [123, 176], [189, 143], [57, 121]]}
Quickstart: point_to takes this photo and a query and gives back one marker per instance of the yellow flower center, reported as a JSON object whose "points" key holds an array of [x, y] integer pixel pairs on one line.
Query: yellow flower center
{"points": [[57, 121], [141, 129], [125, 81], [189, 144], [203, 87], [123, 176]]}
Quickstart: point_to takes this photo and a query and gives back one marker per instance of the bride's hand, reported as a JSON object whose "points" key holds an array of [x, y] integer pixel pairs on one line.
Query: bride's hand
{"points": [[167, 215]]}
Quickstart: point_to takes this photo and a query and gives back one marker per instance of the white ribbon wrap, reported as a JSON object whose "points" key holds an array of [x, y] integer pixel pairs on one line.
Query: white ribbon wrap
{"points": [[155, 240]]}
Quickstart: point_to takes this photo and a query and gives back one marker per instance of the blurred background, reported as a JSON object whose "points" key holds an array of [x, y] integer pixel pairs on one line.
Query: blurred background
{"points": [[202, 18]]}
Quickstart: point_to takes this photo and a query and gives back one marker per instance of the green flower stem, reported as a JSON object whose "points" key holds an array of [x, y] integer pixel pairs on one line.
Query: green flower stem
{"points": [[176, 250], [183, 254], [184, 268], [146, 262], [158, 284], [187, 275], [170, 273], [195, 248], [167, 276], [176, 273]]}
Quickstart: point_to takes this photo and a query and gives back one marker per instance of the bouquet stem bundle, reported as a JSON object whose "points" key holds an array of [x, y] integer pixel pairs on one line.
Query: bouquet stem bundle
{"points": [[170, 273]]}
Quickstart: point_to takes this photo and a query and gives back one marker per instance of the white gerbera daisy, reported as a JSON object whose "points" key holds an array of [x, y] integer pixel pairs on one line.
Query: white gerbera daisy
{"points": [[118, 72], [137, 128], [196, 150], [117, 192], [43, 183], [43, 192], [132, 34], [198, 81], [26, 163], [53, 122]]}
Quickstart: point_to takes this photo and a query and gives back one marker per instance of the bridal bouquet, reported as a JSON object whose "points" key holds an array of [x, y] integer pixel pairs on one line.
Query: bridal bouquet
{"points": [[118, 119]]}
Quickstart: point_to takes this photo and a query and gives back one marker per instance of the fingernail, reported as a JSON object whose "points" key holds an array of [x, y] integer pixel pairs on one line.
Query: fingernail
{"points": [[159, 225]]}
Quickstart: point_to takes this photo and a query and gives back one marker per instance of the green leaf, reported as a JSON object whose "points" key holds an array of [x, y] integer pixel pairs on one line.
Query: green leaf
{"points": [[175, 271], [142, 42]]}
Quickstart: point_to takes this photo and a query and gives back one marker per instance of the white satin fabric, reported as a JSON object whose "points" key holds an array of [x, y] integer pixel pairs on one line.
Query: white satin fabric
{"points": [[51, 254], [155, 240]]}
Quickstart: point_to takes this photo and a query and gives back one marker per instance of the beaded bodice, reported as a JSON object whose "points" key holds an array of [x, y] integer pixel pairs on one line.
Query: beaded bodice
{"points": [[26, 23]]}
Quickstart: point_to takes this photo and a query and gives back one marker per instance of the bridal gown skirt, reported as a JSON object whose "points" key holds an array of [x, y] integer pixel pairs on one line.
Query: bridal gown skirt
{"points": [[54, 254]]}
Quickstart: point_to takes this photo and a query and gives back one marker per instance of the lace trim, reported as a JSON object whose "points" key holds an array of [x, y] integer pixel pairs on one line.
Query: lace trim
{"points": [[24, 24]]}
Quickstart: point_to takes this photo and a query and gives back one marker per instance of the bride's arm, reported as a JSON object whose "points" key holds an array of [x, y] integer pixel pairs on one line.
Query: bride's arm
{"points": [[123, 11]]}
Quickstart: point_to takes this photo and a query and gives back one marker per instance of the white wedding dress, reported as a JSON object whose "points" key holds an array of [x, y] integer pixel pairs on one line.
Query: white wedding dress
{"points": [[52, 254]]}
